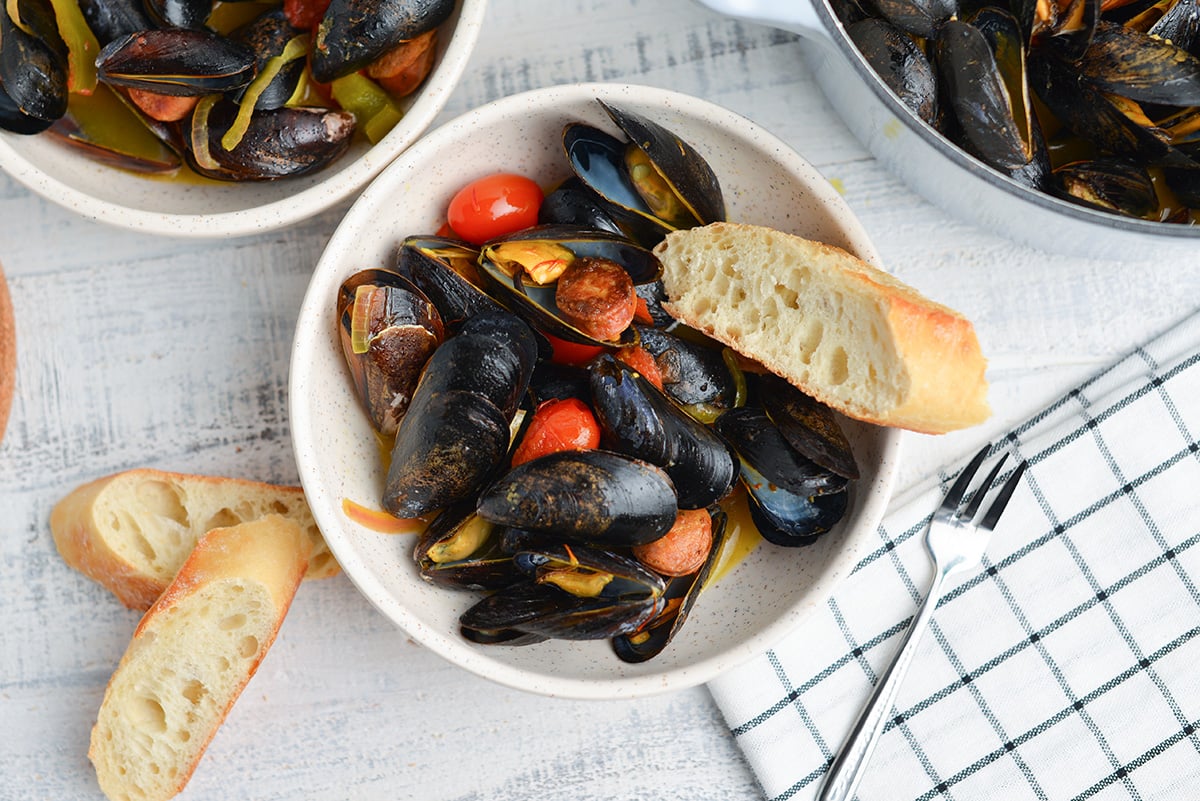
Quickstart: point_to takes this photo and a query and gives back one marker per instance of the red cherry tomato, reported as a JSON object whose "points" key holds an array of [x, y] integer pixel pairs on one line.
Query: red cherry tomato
{"points": [[494, 206], [558, 425], [576, 353]]}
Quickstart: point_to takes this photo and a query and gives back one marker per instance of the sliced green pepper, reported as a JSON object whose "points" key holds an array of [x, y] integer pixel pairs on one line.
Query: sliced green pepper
{"points": [[373, 108]]}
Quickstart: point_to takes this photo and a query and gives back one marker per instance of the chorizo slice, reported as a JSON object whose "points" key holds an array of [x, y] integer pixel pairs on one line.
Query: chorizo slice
{"points": [[596, 296]]}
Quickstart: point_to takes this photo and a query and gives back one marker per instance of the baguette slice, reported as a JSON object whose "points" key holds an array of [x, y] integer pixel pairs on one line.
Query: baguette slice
{"points": [[132, 530], [192, 654], [849, 335]]}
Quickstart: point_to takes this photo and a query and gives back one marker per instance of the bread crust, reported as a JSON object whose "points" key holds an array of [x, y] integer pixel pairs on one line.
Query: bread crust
{"points": [[270, 553], [89, 541], [8, 353], [931, 351]]}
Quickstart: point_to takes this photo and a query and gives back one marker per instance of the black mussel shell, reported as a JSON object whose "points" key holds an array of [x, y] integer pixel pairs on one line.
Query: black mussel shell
{"points": [[653, 294], [920, 17], [680, 596], [353, 33], [1185, 184], [110, 19], [279, 143], [175, 61], [900, 62], [1109, 184], [808, 425], [597, 497], [445, 270], [560, 381], [760, 444], [462, 551], [787, 518], [500, 636], [402, 328], [537, 302], [33, 80], [447, 446], [573, 203], [585, 571], [639, 420], [549, 612], [1180, 25], [179, 13], [685, 172], [692, 374], [267, 36], [1141, 67]]}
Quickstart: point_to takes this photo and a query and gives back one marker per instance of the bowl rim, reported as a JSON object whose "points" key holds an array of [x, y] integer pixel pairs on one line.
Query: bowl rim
{"points": [[288, 210], [460, 652]]}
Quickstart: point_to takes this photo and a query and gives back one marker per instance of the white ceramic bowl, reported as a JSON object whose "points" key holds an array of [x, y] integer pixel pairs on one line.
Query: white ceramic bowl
{"points": [[213, 209], [767, 594]]}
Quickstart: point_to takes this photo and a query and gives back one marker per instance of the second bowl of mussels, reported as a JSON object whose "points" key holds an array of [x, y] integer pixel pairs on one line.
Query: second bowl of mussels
{"points": [[518, 456]]}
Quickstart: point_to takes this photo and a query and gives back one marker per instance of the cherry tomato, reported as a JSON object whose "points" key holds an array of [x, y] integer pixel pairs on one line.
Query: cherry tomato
{"points": [[574, 353], [494, 206], [640, 359], [558, 425]]}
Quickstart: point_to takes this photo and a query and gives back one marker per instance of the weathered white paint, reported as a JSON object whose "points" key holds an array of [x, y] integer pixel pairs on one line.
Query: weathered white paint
{"points": [[136, 350]]}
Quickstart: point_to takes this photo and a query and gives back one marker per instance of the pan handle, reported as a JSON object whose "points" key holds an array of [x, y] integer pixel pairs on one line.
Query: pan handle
{"points": [[797, 16]]}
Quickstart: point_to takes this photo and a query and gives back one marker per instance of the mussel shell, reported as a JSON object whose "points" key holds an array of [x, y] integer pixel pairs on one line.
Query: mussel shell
{"points": [[692, 373], [1185, 184], [901, 64], [404, 329], [787, 518], [547, 611], [763, 447], [978, 95], [680, 596], [1141, 67], [353, 33], [447, 446], [537, 302], [486, 567], [267, 36], [445, 271], [654, 294], [33, 80], [1110, 184], [639, 420], [596, 497], [110, 19], [179, 13], [572, 203], [920, 17], [560, 381], [678, 163], [1180, 25], [808, 425], [175, 61], [627, 578]]}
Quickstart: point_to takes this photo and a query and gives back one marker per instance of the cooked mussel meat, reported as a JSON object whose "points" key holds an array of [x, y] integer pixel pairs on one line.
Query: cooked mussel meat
{"points": [[597, 497], [388, 329], [588, 572], [462, 551], [639, 420]]}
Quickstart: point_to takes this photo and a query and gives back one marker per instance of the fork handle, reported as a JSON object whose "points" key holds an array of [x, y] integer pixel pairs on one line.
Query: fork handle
{"points": [[847, 769]]}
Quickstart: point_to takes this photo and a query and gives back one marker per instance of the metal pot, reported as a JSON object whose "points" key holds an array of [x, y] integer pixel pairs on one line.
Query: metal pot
{"points": [[937, 169]]}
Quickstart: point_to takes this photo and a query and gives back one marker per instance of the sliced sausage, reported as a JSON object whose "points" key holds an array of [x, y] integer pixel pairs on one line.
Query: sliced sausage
{"points": [[597, 297]]}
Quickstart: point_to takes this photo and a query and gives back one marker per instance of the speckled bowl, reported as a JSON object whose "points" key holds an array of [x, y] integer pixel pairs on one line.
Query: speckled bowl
{"points": [[765, 595], [209, 209]]}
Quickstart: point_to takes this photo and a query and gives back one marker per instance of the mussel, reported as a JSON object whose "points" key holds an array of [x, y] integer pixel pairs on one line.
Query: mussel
{"points": [[531, 612], [444, 269], [353, 33], [462, 551], [388, 329], [33, 72]]}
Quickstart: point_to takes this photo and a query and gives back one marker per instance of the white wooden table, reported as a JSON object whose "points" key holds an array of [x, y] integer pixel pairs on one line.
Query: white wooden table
{"points": [[143, 351]]}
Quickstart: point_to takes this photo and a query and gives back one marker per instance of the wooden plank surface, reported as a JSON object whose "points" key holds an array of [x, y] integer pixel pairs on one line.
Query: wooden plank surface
{"points": [[137, 350]]}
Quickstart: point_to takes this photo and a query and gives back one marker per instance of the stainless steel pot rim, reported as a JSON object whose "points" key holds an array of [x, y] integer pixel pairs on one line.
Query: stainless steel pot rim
{"points": [[839, 38]]}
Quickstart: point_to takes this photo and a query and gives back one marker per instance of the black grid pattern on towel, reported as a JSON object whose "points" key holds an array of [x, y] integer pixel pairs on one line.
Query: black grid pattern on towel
{"points": [[1064, 668]]}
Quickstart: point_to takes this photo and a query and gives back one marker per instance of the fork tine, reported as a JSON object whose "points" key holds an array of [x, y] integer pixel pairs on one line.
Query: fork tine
{"points": [[951, 501], [997, 507], [977, 498]]}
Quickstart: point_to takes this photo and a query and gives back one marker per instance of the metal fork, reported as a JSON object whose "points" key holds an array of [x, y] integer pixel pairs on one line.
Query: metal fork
{"points": [[955, 543]]}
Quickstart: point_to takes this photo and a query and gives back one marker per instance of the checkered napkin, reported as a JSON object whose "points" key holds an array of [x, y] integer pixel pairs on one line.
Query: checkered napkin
{"points": [[1066, 667]]}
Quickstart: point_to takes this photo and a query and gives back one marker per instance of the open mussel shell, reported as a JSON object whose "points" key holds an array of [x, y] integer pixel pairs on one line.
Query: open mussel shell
{"points": [[388, 329], [536, 302], [445, 270], [353, 33], [595, 497], [176, 61], [33, 80], [674, 180], [759, 442], [461, 550], [572, 203], [900, 62], [680, 596], [788, 518], [639, 420], [808, 425], [588, 572], [279, 143], [1141, 67], [545, 611]]}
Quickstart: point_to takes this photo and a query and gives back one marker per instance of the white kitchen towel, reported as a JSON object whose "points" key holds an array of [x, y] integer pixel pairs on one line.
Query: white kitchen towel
{"points": [[1067, 667]]}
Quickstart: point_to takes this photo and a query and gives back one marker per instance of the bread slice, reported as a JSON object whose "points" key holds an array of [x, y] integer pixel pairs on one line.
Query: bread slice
{"points": [[847, 334], [132, 530], [192, 654]]}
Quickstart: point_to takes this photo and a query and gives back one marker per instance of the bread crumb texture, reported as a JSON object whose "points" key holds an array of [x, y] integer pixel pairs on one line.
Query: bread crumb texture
{"points": [[846, 333]]}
